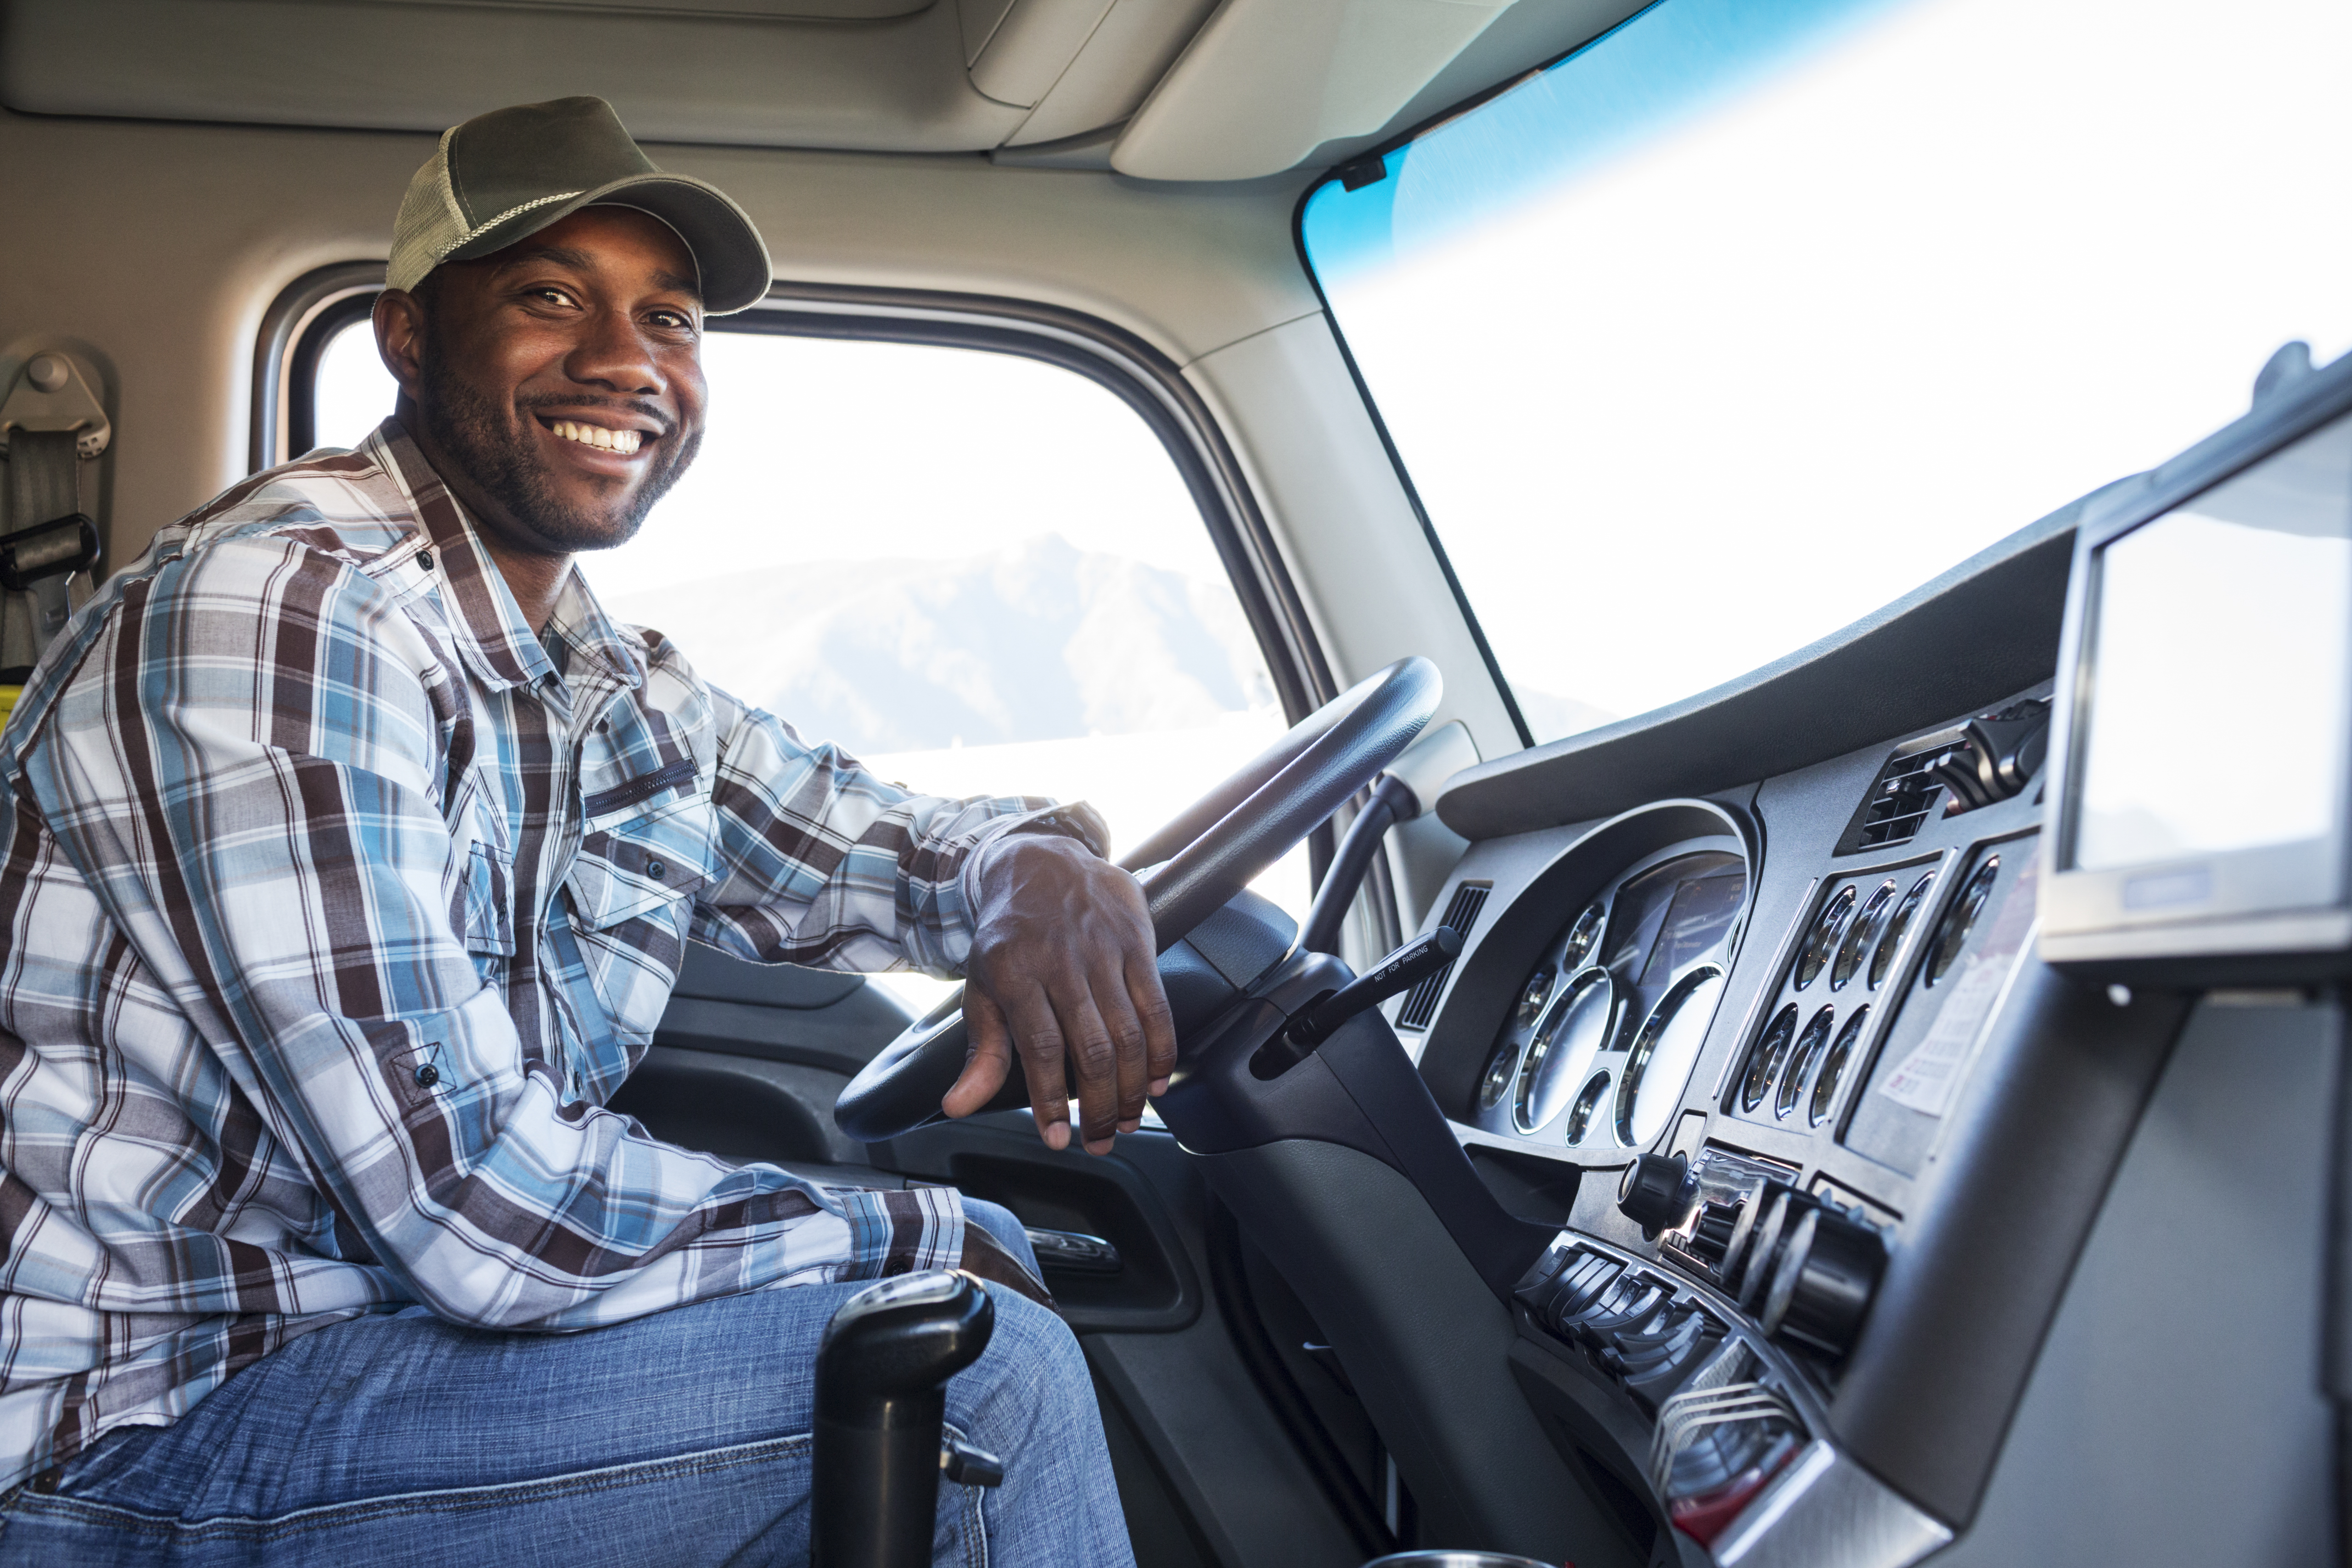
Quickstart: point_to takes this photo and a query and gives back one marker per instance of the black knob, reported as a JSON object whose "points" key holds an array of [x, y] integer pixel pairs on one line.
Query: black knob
{"points": [[1822, 1281], [1659, 1192], [881, 1372], [1710, 1238]]}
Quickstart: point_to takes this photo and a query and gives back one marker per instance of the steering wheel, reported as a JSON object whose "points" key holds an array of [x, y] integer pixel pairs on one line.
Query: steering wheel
{"points": [[1190, 869]]}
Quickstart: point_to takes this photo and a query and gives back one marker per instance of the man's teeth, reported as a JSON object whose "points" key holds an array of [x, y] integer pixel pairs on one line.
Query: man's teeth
{"points": [[620, 441]]}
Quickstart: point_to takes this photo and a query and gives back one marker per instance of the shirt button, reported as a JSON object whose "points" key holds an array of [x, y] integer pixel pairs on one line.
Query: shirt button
{"points": [[427, 1076], [656, 869], [424, 559]]}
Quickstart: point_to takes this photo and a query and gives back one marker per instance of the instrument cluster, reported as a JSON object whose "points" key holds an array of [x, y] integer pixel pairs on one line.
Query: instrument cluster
{"points": [[1607, 1026]]}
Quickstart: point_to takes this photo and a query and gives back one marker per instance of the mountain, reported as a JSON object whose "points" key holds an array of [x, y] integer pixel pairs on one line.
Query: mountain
{"points": [[1039, 641]]}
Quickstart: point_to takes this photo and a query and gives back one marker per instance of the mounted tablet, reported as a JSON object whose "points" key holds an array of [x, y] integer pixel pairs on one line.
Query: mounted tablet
{"points": [[2203, 737]]}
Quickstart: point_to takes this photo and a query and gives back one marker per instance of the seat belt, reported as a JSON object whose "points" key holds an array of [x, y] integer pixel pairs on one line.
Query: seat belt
{"points": [[50, 426]]}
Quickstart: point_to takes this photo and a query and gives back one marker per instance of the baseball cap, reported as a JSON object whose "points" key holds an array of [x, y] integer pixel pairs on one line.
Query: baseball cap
{"points": [[512, 172]]}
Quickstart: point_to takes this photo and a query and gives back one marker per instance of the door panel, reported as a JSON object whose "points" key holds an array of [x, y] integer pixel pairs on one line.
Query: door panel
{"points": [[815, 1017], [1192, 1436], [747, 1108], [749, 1059], [747, 1063]]}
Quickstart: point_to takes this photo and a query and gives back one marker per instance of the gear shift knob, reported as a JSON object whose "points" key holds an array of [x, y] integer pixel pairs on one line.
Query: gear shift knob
{"points": [[881, 1372]]}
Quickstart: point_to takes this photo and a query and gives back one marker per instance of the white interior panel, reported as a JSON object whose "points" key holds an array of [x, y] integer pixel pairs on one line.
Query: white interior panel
{"points": [[1267, 81], [1031, 46], [1365, 567], [1126, 55], [898, 85]]}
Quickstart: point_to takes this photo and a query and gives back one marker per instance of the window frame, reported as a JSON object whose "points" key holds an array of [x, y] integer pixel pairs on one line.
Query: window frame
{"points": [[295, 330], [308, 313]]}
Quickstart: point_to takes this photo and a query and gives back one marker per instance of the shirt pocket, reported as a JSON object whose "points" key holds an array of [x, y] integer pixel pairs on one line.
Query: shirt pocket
{"points": [[633, 888], [641, 867], [488, 908]]}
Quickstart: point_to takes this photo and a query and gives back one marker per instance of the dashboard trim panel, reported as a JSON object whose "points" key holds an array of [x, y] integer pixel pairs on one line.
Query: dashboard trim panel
{"points": [[1965, 640]]}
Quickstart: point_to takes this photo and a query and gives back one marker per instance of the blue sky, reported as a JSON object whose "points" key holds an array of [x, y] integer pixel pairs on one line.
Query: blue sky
{"points": [[1665, 66]]}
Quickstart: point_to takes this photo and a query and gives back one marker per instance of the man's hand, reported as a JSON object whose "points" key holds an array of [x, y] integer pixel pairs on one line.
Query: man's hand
{"points": [[1062, 963], [984, 1258]]}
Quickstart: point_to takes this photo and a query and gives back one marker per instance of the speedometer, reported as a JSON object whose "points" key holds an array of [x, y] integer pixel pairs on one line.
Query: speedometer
{"points": [[1603, 1028]]}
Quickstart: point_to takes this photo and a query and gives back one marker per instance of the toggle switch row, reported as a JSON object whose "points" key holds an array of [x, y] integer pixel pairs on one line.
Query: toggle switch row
{"points": [[1725, 1424]]}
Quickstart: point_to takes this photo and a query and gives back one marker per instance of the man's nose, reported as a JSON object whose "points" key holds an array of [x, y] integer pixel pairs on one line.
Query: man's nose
{"points": [[614, 355]]}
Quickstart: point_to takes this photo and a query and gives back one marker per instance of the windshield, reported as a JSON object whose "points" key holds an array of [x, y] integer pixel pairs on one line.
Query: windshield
{"points": [[1748, 318]]}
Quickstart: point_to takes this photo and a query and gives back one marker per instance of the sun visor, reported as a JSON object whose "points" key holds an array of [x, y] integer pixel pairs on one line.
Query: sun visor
{"points": [[1267, 81]]}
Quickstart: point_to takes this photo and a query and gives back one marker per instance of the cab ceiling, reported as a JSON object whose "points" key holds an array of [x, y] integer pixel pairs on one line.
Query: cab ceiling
{"points": [[1161, 89]]}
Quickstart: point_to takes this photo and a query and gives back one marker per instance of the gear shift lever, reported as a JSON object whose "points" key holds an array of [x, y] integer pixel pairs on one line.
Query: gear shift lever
{"points": [[881, 1372]]}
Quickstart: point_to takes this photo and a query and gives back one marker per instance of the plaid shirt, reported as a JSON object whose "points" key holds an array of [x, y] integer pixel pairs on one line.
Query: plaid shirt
{"points": [[337, 903]]}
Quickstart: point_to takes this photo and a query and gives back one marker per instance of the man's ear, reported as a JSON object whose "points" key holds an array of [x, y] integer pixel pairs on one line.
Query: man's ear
{"points": [[400, 338]]}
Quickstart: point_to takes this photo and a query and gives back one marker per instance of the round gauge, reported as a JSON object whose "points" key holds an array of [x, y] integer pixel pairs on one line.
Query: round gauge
{"points": [[1961, 918], [1825, 1085], [1764, 1061], [1580, 1116], [1537, 992], [1571, 1033], [1822, 940], [1861, 934], [1582, 937], [1664, 1052], [1811, 1047], [1497, 1081], [1883, 959]]}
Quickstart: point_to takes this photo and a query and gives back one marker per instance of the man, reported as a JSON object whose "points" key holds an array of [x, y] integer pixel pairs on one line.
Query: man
{"points": [[348, 856]]}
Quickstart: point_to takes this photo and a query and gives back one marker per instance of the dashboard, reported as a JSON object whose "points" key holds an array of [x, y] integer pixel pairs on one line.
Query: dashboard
{"points": [[1783, 1016]]}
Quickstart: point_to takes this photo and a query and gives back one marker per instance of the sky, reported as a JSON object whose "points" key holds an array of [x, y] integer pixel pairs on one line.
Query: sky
{"points": [[1692, 395]]}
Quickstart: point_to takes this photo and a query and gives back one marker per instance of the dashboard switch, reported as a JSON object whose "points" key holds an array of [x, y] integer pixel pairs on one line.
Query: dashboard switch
{"points": [[1710, 1238], [2002, 754], [1820, 1288], [1659, 1192]]}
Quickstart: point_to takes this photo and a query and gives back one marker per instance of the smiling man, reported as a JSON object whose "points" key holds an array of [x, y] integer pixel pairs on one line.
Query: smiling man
{"points": [[349, 858]]}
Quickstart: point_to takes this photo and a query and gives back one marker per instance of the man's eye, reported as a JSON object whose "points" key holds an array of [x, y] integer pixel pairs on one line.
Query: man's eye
{"points": [[675, 320], [553, 296]]}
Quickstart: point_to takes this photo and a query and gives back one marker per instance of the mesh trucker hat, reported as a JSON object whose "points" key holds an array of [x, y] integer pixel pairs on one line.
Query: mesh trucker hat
{"points": [[512, 172]]}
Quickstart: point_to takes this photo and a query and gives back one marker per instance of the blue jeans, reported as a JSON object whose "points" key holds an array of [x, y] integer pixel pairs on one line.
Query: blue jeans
{"points": [[678, 1438]]}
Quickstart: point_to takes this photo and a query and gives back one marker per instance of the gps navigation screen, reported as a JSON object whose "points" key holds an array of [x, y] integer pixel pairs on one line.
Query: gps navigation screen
{"points": [[2218, 668]]}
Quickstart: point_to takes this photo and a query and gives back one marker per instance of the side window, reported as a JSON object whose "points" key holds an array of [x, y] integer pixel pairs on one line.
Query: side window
{"points": [[980, 573]]}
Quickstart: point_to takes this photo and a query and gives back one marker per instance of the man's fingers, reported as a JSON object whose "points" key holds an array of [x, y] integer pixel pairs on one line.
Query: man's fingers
{"points": [[1149, 998], [1064, 944], [988, 1055], [1037, 1034], [1094, 1059], [1131, 1061]]}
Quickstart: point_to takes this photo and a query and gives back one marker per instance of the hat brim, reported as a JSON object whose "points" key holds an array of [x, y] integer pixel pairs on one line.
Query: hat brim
{"points": [[728, 251]]}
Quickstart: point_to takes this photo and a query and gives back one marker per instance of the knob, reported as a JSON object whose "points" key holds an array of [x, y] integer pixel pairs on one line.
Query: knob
{"points": [[1659, 1193], [1711, 1238], [1823, 1282], [881, 1373]]}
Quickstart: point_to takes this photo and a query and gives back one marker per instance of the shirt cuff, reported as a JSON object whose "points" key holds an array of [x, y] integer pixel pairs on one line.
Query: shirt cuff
{"points": [[901, 1232]]}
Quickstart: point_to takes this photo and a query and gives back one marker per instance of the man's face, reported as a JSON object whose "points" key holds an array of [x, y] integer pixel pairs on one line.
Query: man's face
{"points": [[559, 382]]}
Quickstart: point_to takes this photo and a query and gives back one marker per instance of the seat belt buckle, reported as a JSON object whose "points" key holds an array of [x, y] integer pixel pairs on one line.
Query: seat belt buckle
{"points": [[57, 548]]}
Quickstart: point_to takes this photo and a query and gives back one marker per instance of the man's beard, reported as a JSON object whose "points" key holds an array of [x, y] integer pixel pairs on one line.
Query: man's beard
{"points": [[499, 458]]}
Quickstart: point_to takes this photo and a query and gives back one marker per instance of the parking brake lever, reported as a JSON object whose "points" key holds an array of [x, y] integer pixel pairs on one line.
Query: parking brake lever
{"points": [[881, 1399], [1403, 970]]}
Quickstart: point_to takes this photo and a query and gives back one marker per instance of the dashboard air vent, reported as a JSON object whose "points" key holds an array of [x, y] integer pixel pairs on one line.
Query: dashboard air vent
{"points": [[1903, 794], [1461, 913]]}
